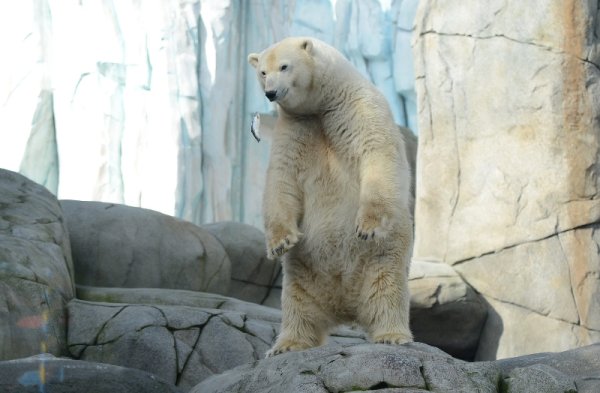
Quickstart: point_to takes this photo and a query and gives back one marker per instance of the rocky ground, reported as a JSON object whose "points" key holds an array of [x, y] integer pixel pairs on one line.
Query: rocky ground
{"points": [[139, 301], [410, 368]]}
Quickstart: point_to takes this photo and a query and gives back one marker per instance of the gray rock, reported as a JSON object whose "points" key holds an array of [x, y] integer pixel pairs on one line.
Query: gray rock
{"points": [[172, 297], [180, 344], [224, 344], [445, 311], [182, 336], [253, 276], [408, 368], [46, 373], [581, 364], [274, 298], [36, 270], [122, 246], [538, 378]]}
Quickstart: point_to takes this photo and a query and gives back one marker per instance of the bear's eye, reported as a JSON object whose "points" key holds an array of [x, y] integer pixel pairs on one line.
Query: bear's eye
{"points": [[263, 73], [283, 67]]}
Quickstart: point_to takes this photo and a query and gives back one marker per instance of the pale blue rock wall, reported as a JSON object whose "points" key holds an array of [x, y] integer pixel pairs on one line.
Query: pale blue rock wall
{"points": [[149, 103]]}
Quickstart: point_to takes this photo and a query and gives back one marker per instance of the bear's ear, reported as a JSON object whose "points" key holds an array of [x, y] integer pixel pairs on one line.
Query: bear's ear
{"points": [[253, 59], [307, 45]]}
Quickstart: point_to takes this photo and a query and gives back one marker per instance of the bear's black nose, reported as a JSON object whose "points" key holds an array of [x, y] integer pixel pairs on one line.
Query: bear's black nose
{"points": [[271, 94]]}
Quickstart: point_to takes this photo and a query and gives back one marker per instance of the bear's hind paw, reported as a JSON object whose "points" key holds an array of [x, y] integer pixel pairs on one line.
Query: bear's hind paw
{"points": [[392, 338], [286, 346]]}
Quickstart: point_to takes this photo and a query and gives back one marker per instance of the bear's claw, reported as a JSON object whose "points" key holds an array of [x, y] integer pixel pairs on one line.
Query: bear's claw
{"points": [[364, 235], [371, 222], [277, 248]]}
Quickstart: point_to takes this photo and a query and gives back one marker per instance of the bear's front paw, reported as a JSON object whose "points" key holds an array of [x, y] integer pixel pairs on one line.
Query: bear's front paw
{"points": [[372, 222], [280, 240]]}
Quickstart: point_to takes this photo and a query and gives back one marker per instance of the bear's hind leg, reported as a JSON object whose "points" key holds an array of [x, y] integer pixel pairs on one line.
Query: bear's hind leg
{"points": [[304, 324], [385, 302]]}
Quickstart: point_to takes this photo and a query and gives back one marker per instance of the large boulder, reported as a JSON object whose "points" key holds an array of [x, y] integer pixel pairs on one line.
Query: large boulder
{"points": [[509, 139], [46, 373], [404, 369], [181, 336], [253, 275], [36, 271], [182, 345], [171, 297], [581, 364], [121, 246], [274, 297]]}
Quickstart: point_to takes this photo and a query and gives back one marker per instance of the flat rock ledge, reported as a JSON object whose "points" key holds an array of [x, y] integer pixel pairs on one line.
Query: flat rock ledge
{"points": [[409, 368], [181, 336], [46, 373]]}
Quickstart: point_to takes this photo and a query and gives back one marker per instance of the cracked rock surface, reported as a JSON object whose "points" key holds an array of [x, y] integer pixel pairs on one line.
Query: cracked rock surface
{"points": [[409, 368], [183, 345], [509, 152], [181, 336], [36, 270], [122, 246]]}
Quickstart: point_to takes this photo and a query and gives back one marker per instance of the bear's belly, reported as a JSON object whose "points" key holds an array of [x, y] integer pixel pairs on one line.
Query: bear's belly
{"points": [[330, 260], [331, 196], [336, 292]]}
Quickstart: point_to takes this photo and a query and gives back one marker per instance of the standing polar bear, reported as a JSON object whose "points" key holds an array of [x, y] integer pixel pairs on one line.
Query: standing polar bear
{"points": [[337, 198]]}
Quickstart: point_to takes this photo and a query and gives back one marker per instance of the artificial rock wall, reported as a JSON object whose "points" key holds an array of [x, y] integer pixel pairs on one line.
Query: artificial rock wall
{"points": [[149, 103], [508, 98]]}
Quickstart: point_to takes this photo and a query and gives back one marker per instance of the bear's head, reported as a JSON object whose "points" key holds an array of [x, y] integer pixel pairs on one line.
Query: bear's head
{"points": [[286, 73]]}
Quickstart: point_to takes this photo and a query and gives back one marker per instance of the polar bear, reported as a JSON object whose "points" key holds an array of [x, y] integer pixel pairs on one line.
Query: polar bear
{"points": [[337, 198]]}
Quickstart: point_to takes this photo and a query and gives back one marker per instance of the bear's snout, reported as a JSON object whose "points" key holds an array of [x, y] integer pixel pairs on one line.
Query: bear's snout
{"points": [[271, 94]]}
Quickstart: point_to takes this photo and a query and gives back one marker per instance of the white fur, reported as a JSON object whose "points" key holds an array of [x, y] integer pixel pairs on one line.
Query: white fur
{"points": [[337, 198]]}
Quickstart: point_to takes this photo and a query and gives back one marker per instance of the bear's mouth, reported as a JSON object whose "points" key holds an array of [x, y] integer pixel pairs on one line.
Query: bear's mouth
{"points": [[279, 95]]}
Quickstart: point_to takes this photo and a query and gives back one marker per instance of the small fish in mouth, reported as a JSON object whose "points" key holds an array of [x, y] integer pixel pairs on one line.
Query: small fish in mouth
{"points": [[255, 126]]}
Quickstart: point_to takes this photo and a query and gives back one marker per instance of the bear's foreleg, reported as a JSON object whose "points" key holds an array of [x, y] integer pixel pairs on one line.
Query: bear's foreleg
{"points": [[282, 204], [281, 211], [385, 302], [383, 193]]}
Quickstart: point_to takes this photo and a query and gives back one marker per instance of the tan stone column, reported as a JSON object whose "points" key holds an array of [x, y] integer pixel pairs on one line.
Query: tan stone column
{"points": [[509, 157]]}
